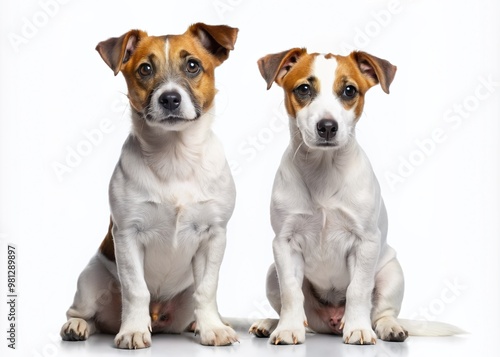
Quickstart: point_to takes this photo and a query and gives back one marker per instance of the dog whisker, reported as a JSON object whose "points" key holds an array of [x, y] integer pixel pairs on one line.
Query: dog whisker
{"points": [[296, 151]]}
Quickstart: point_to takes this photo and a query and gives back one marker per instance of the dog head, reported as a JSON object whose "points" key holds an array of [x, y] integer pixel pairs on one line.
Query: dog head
{"points": [[325, 93], [170, 78]]}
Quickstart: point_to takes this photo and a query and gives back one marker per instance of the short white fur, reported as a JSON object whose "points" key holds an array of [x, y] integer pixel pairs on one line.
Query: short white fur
{"points": [[331, 226], [171, 196]]}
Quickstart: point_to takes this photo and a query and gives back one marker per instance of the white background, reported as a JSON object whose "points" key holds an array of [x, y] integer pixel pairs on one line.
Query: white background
{"points": [[443, 210]]}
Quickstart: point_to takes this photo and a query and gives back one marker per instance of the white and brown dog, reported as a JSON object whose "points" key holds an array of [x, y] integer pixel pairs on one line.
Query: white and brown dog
{"points": [[171, 196], [333, 270]]}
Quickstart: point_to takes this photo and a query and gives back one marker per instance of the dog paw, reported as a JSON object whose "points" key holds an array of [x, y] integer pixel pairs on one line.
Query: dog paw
{"points": [[288, 335], [263, 328], [133, 340], [75, 329], [217, 336], [359, 336], [388, 329]]}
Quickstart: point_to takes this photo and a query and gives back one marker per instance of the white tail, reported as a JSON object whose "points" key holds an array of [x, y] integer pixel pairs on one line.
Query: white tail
{"points": [[429, 328]]}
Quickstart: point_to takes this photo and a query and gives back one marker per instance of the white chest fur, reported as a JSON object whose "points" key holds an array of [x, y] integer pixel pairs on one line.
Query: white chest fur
{"points": [[172, 204], [334, 202]]}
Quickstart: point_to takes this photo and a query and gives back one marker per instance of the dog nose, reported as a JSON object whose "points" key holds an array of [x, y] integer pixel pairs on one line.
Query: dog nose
{"points": [[327, 128], [170, 100]]}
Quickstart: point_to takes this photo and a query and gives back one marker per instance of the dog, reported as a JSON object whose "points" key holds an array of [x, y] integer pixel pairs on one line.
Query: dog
{"points": [[333, 270], [171, 196]]}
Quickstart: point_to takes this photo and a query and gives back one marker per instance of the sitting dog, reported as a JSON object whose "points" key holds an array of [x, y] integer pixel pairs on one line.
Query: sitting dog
{"points": [[171, 196], [333, 270]]}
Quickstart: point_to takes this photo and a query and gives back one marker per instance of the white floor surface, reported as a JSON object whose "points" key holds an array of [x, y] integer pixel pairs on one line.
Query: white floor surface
{"points": [[316, 345]]}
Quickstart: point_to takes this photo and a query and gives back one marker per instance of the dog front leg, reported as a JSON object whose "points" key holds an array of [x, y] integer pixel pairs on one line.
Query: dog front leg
{"points": [[362, 262], [290, 268], [135, 329], [206, 266]]}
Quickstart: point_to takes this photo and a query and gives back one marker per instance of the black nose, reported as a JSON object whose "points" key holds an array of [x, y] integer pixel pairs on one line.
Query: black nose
{"points": [[170, 100], [327, 128]]}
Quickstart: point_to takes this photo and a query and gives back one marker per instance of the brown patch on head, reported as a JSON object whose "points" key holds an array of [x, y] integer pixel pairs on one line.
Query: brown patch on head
{"points": [[149, 55], [348, 74], [145, 64], [205, 46], [184, 50], [295, 82], [291, 70], [360, 71], [353, 76], [127, 54], [107, 247]]}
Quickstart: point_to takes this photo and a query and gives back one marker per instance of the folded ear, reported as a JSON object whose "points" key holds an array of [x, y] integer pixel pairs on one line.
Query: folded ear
{"points": [[377, 70], [275, 66], [218, 40], [116, 51]]}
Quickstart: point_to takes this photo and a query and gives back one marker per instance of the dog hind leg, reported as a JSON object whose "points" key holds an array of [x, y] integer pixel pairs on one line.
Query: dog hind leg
{"points": [[387, 299], [264, 327], [95, 290]]}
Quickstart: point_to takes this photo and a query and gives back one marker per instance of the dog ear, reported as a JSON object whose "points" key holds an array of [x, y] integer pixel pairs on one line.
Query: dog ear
{"points": [[377, 70], [116, 51], [275, 66], [218, 40]]}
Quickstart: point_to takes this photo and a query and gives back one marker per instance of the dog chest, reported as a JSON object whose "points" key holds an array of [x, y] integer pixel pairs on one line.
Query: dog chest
{"points": [[167, 267], [326, 255], [171, 237]]}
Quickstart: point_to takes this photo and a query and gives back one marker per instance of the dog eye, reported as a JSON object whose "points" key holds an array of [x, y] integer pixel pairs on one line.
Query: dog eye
{"points": [[145, 70], [349, 92], [304, 90], [192, 67]]}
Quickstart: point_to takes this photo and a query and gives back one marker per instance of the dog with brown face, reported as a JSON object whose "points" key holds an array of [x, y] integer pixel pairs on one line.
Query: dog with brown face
{"points": [[171, 196], [333, 269]]}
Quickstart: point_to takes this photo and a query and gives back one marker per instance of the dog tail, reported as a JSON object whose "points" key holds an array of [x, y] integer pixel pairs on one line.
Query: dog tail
{"points": [[430, 328]]}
